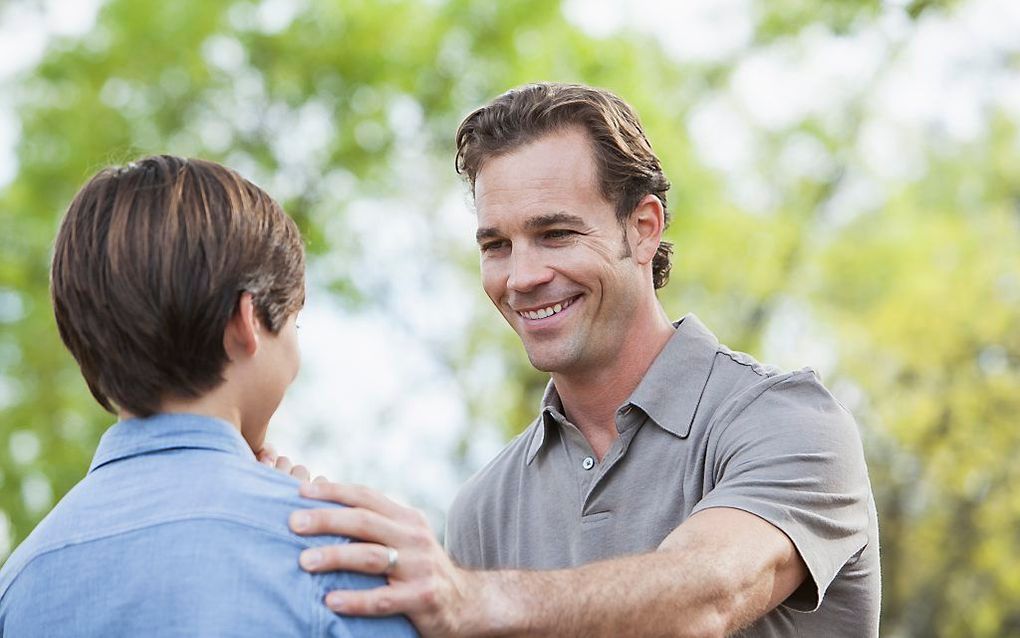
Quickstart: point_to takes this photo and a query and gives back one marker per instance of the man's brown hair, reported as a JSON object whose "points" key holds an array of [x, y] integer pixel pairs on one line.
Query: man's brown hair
{"points": [[628, 169], [149, 264]]}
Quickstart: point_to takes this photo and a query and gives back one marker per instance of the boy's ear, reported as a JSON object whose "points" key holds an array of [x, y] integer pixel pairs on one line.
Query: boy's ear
{"points": [[241, 338]]}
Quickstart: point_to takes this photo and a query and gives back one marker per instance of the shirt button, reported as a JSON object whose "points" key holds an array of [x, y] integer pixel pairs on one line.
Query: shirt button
{"points": [[588, 463]]}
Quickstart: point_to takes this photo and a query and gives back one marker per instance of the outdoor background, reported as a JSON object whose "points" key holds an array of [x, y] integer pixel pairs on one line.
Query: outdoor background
{"points": [[846, 195]]}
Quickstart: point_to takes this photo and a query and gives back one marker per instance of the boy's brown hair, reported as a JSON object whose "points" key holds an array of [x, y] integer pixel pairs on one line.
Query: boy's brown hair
{"points": [[148, 267]]}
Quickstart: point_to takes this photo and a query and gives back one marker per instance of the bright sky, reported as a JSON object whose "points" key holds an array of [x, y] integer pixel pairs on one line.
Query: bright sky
{"points": [[373, 402]]}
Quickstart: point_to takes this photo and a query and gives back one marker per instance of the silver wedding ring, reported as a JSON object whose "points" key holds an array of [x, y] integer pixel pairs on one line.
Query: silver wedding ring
{"points": [[391, 560]]}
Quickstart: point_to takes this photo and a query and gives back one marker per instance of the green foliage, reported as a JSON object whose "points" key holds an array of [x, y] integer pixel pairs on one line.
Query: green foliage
{"points": [[929, 305], [920, 297]]}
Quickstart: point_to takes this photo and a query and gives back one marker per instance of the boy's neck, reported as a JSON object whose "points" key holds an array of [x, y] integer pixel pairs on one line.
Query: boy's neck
{"points": [[216, 404]]}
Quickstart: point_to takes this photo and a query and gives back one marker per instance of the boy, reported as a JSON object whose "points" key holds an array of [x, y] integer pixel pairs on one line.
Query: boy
{"points": [[176, 284]]}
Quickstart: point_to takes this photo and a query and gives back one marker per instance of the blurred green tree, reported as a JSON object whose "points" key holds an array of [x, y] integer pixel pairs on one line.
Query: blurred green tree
{"points": [[918, 297]]}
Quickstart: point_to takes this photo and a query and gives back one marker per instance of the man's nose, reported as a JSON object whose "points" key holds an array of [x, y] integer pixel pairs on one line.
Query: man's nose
{"points": [[527, 271]]}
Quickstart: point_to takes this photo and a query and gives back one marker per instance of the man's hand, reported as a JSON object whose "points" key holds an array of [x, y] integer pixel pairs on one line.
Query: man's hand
{"points": [[424, 584], [267, 456], [716, 573]]}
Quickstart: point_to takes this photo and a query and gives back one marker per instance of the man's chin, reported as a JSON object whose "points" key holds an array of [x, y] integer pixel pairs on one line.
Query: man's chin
{"points": [[537, 364], [550, 362]]}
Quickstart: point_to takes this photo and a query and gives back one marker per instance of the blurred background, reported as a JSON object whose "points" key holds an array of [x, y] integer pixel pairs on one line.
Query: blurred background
{"points": [[846, 195]]}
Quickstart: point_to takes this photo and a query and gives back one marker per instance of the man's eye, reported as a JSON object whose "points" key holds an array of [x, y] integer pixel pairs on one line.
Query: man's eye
{"points": [[490, 246], [559, 233]]}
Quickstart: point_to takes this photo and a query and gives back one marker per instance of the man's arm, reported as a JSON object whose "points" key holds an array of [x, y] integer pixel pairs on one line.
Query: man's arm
{"points": [[715, 573]]}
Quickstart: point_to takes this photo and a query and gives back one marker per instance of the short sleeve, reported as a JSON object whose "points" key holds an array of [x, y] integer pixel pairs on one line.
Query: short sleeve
{"points": [[792, 455], [463, 541]]}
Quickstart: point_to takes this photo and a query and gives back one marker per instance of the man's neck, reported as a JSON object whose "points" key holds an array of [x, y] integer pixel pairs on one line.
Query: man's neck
{"points": [[592, 396]]}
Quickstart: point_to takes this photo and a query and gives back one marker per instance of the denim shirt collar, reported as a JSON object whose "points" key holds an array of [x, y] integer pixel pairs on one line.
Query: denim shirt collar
{"points": [[159, 432]]}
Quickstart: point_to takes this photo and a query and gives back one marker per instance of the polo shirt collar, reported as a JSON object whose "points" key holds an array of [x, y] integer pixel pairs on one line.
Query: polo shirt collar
{"points": [[671, 390], [552, 412], [668, 393], [133, 437]]}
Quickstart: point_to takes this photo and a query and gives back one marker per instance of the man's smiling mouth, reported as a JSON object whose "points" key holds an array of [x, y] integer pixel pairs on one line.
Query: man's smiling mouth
{"points": [[548, 311]]}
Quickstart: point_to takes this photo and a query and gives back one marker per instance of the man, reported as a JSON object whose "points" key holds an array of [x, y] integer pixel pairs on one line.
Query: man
{"points": [[669, 486], [176, 284]]}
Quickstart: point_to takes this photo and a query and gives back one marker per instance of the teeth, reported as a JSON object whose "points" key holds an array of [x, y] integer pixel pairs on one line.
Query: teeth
{"points": [[542, 313]]}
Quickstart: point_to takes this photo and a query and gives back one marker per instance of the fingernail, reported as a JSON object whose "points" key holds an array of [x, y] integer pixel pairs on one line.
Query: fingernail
{"points": [[300, 522], [334, 600], [311, 558], [310, 489]]}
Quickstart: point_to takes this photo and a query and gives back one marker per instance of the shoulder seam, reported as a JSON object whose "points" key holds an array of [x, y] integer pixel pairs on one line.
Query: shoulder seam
{"points": [[770, 382], [166, 520], [756, 367]]}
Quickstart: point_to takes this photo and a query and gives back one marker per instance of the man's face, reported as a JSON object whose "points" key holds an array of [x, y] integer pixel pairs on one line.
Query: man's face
{"points": [[554, 259]]}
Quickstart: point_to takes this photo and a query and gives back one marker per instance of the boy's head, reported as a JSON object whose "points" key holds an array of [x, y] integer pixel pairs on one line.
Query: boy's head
{"points": [[151, 268]]}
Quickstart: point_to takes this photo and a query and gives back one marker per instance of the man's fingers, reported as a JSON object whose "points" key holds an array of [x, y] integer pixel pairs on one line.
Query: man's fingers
{"points": [[267, 455], [355, 496], [381, 601], [321, 479], [367, 558], [283, 464], [301, 473], [353, 522]]}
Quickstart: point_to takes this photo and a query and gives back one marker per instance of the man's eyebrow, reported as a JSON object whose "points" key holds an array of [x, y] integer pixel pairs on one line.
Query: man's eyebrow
{"points": [[534, 223], [486, 233], [551, 219]]}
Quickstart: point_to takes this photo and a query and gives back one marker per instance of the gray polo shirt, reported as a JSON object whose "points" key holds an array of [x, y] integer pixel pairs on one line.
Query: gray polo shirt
{"points": [[706, 427]]}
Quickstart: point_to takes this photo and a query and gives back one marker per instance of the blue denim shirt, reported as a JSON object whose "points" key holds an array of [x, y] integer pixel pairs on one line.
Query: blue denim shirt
{"points": [[176, 530]]}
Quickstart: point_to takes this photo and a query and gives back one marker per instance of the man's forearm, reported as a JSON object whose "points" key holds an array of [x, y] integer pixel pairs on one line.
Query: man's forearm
{"points": [[661, 593], [715, 573]]}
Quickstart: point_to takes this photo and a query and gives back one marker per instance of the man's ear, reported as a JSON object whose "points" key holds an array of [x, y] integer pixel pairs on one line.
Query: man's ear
{"points": [[645, 228], [241, 338]]}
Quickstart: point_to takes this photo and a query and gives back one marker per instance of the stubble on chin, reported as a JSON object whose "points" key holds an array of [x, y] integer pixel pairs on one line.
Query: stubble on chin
{"points": [[554, 358]]}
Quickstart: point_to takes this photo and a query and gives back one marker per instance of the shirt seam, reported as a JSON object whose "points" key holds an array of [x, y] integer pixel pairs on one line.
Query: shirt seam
{"points": [[316, 584], [125, 454], [169, 520], [774, 381], [756, 367]]}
